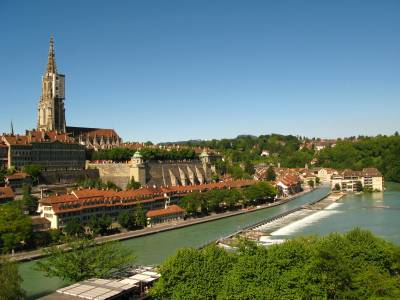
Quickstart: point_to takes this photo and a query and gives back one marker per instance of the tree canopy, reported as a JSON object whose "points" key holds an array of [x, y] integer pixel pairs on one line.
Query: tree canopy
{"points": [[15, 227], [354, 265], [381, 152], [220, 200], [10, 281], [84, 259]]}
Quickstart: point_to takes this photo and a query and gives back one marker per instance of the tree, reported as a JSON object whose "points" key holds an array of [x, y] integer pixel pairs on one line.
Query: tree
{"points": [[359, 186], [354, 265], [74, 228], [15, 227], [311, 183], [3, 173], [271, 175], [33, 171], [100, 224], [337, 187], [84, 259], [317, 180], [30, 202], [125, 219], [133, 185], [193, 274], [10, 281], [140, 216]]}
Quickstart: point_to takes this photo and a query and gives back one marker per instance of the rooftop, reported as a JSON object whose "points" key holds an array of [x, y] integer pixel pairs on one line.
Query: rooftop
{"points": [[172, 209]]}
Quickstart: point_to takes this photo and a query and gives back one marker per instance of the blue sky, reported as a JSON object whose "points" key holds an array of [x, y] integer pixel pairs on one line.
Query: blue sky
{"points": [[176, 70]]}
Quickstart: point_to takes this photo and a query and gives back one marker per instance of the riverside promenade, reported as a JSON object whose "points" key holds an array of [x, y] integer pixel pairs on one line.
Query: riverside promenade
{"points": [[35, 254]]}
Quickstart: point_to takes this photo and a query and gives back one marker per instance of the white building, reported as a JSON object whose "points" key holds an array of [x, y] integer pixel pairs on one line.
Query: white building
{"points": [[349, 180]]}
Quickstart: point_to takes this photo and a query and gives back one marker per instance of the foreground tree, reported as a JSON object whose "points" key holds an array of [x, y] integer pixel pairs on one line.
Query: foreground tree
{"points": [[10, 281], [355, 265], [193, 274], [15, 227], [84, 259]]}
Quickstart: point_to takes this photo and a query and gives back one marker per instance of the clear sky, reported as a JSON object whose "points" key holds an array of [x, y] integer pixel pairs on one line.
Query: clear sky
{"points": [[174, 70]]}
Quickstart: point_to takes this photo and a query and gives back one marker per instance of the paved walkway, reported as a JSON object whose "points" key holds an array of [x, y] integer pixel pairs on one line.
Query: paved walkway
{"points": [[30, 255]]}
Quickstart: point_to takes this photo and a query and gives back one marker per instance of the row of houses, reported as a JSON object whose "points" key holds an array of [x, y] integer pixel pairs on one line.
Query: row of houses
{"points": [[293, 180], [159, 203]]}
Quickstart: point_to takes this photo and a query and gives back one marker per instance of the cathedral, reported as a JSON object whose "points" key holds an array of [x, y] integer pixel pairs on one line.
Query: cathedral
{"points": [[51, 111]]}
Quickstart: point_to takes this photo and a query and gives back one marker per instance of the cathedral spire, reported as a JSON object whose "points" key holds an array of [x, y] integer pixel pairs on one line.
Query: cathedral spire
{"points": [[51, 62]]}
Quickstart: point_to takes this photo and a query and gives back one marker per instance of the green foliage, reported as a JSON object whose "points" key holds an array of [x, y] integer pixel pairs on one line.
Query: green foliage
{"points": [[98, 184], [317, 180], [311, 183], [30, 202], [134, 219], [193, 274], [271, 175], [84, 260], [219, 200], [3, 173], [355, 265], [74, 228], [124, 154], [46, 238], [15, 227], [10, 281], [140, 216], [33, 171], [126, 220], [100, 224], [133, 185], [359, 186], [381, 152]]}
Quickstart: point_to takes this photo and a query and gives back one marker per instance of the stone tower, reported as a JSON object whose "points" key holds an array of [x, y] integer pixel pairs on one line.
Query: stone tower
{"points": [[51, 112], [138, 169]]}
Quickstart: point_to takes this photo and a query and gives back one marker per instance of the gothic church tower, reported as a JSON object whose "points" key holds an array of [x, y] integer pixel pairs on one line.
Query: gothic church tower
{"points": [[51, 112]]}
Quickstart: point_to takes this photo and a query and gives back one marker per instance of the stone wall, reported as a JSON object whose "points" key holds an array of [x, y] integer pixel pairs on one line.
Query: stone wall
{"points": [[115, 172], [68, 176]]}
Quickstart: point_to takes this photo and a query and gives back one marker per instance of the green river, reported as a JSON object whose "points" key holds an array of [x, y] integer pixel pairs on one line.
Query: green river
{"points": [[353, 210]]}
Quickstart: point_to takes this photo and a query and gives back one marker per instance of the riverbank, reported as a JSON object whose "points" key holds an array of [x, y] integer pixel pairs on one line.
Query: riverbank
{"points": [[36, 254]]}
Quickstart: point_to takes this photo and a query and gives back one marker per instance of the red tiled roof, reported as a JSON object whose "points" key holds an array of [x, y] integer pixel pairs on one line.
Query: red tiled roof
{"points": [[35, 136], [87, 198], [173, 209], [92, 132], [17, 176], [6, 193]]}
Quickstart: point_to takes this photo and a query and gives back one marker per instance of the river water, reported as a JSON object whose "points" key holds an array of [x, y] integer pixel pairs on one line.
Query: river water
{"points": [[351, 211], [378, 212]]}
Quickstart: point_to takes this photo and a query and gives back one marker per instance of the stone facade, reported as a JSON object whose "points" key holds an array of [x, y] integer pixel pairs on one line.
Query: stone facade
{"points": [[51, 111], [157, 173], [49, 150]]}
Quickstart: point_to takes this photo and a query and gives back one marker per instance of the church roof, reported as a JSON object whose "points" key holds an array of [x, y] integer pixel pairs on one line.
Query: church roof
{"points": [[36, 136], [92, 132]]}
